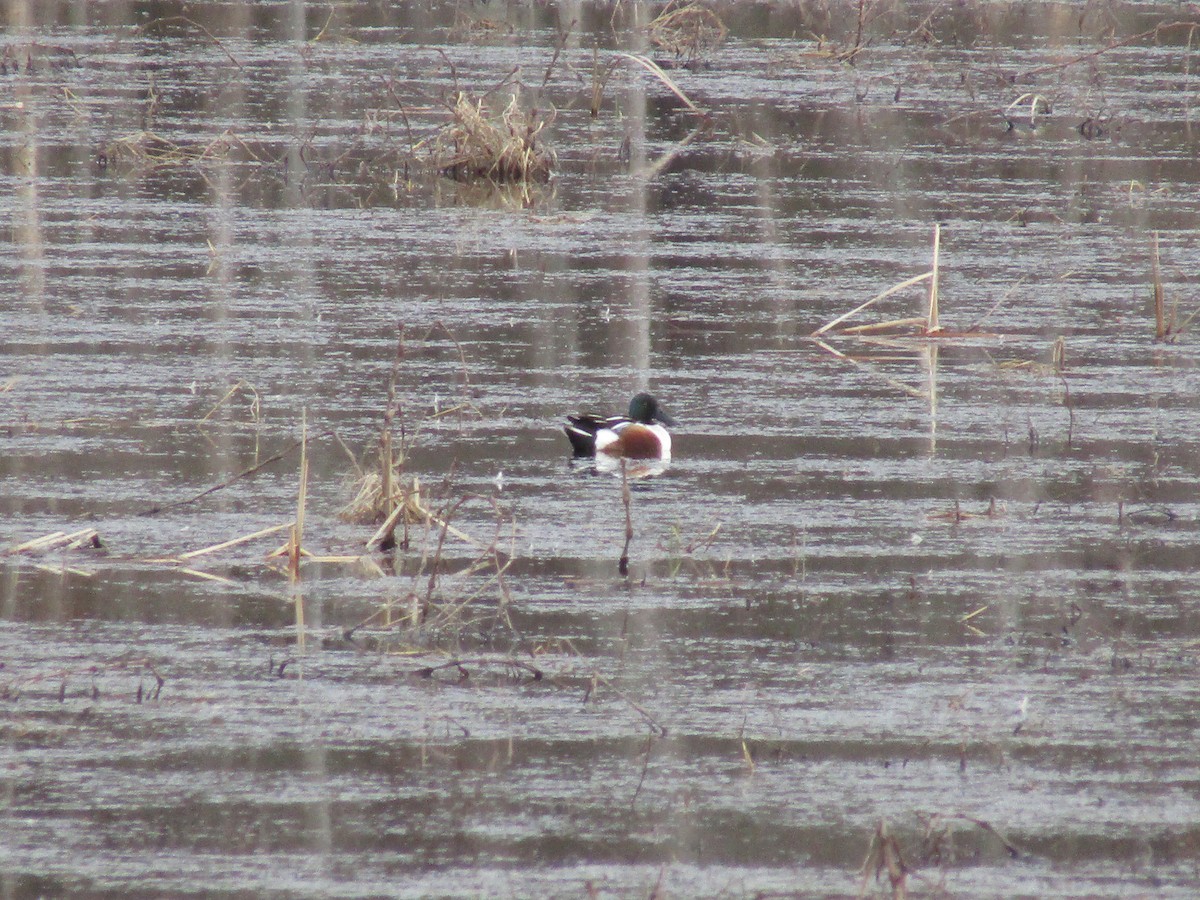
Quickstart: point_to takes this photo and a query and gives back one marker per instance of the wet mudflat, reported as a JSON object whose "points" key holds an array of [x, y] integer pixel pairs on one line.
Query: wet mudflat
{"points": [[932, 603]]}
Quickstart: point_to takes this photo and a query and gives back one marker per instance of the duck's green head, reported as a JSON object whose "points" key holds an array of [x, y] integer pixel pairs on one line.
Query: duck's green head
{"points": [[644, 408]]}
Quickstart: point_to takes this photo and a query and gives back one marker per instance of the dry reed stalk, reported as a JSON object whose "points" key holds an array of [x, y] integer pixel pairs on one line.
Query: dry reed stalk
{"points": [[460, 665], [441, 604], [12, 689], [56, 540], [1038, 106], [435, 568], [320, 35], [656, 728], [377, 496], [599, 80], [64, 570], [224, 545], [747, 756], [638, 790], [1024, 77], [207, 576], [284, 550], [301, 631], [154, 150], [301, 502], [410, 509], [890, 325], [966, 620], [384, 536], [908, 282], [297, 536], [931, 324], [1167, 327], [387, 459], [656, 70], [255, 402], [937, 827], [429, 517], [974, 326]]}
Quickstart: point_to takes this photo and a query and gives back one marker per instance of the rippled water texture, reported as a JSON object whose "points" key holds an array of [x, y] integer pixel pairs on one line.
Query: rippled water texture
{"points": [[931, 603]]}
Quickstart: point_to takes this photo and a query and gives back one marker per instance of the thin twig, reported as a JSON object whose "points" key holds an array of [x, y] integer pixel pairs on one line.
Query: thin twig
{"points": [[155, 510], [144, 28]]}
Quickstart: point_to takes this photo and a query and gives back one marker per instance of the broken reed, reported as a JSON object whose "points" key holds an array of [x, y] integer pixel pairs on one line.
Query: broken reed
{"points": [[930, 325]]}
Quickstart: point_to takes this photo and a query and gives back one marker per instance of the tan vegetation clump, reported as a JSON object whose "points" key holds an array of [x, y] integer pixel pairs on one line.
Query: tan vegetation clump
{"points": [[687, 32], [475, 145]]}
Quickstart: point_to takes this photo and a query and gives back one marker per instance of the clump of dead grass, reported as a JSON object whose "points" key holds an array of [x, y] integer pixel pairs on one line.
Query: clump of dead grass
{"points": [[477, 144], [145, 148], [687, 32]]}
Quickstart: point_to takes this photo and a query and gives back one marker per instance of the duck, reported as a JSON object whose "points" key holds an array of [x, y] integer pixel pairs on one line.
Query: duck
{"points": [[639, 435]]}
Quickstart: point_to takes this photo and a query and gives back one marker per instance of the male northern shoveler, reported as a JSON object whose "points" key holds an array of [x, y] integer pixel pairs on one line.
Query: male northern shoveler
{"points": [[635, 436]]}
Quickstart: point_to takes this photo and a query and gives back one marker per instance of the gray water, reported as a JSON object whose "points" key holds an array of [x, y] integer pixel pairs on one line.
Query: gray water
{"points": [[944, 585]]}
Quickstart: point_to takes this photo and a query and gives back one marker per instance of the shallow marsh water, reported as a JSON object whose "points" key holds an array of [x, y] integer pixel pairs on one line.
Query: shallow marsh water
{"points": [[950, 586]]}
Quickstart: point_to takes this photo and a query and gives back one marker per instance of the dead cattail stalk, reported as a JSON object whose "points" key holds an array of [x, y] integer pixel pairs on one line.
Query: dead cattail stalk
{"points": [[1014, 112], [1166, 328], [850, 55], [208, 576], [1025, 76], [384, 538], [890, 325]]}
